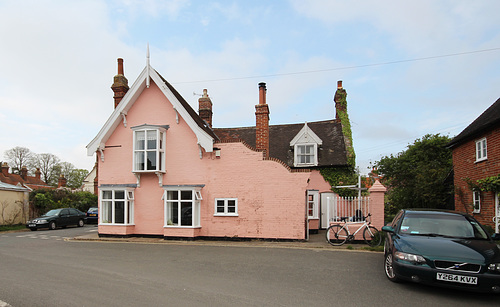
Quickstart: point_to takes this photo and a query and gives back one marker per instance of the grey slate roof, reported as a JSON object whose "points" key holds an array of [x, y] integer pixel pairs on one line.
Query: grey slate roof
{"points": [[486, 121], [331, 153]]}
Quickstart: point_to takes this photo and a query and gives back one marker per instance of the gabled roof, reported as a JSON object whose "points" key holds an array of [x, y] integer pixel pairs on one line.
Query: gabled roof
{"points": [[486, 121], [9, 187], [30, 182], [203, 132], [332, 152]]}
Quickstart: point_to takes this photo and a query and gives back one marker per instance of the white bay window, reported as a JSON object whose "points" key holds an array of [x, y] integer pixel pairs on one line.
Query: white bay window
{"points": [[116, 205], [149, 148], [182, 206]]}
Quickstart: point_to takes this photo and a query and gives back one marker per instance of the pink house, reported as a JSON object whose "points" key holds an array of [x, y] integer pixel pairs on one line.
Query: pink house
{"points": [[162, 170]]}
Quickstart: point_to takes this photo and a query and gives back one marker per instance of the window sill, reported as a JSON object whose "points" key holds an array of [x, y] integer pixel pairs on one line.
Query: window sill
{"points": [[184, 227], [226, 215], [115, 224], [482, 160]]}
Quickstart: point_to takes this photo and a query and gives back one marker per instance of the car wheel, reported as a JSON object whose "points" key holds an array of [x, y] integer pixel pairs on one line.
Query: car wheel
{"points": [[33, 229], [389, 268], [80, 223], [52, 225]]}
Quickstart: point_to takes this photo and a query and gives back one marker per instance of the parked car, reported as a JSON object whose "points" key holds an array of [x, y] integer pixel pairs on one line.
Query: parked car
{"points": [[441, 248], [93, 215], [58, 218]]}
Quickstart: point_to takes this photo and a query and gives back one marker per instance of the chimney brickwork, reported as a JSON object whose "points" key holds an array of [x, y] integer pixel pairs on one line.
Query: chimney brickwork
{"points": [[5, 169], [340, 100], [262, 122], [205, 108], [120, 84]]}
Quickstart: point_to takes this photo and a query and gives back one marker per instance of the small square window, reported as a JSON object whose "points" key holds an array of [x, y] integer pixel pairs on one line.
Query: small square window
{"points": [[226, 206]]}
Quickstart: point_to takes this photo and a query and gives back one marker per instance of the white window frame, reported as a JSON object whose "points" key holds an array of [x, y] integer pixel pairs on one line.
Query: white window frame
{"points": [[476, 201], [226, 207], [128, 210], [481, 150], [195, 202], [313, 204], [313, 155], [159, 133]]}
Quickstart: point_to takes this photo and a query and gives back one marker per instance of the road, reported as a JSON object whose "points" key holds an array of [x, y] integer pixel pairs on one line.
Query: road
{"points": [[43, 268]]}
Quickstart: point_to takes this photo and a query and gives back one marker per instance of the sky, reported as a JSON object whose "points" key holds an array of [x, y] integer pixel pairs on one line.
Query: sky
{"points": [[410, 68]]}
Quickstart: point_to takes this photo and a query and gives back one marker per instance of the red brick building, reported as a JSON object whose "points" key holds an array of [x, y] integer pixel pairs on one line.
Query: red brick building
{"points": [[476, 164]]}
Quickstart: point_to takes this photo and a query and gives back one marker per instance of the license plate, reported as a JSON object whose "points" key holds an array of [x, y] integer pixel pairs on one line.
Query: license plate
{"points": [[92, 214], [32, 225], [471, 280]]}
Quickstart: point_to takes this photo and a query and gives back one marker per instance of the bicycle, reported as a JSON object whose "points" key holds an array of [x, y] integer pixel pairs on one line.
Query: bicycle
{"points": [[338, 234]]}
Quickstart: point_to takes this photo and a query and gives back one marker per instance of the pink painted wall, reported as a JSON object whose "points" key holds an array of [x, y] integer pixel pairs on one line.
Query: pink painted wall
{"points": [[271, 200]]}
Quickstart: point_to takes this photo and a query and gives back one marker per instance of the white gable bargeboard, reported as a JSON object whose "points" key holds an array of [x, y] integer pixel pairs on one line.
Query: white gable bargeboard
{"points": [[119, 115]]}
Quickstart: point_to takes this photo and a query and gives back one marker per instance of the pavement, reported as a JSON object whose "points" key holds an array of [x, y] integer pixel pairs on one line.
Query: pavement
{"points": [[316, 241]]}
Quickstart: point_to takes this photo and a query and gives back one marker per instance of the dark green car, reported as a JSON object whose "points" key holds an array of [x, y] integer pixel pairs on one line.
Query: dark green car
{"points": [[442, 248], [58, 218]]}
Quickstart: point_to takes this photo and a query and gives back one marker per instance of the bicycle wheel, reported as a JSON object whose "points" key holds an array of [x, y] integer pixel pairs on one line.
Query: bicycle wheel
{"points": [[336, 235], [372, 236]]}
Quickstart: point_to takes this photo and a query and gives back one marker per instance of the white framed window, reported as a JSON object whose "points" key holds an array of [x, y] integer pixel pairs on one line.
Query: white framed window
{"points": [[313, 204], [306, 155], [305, 147], [182, 206], [481, 152], [226, 207], [117, 206], [149, 148], [476, 200]]}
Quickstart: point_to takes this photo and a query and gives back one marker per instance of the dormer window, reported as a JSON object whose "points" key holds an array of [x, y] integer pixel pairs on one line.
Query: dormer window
{"points": [[149, 148], [305, 147]]}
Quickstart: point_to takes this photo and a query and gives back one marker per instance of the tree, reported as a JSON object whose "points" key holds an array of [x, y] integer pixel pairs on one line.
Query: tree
{"points": [[48, 165], [76, 177], [18, 157], [417, 177]]}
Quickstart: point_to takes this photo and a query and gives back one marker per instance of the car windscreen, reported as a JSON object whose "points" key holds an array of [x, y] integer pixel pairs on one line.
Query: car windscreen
{"points": [[446, 225], [53, 212]]}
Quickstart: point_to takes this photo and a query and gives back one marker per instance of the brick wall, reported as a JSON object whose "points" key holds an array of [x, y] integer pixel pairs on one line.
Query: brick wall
{"points": [[465, 166]]}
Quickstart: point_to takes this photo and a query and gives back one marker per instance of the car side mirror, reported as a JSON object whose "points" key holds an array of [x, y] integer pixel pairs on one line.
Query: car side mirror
{"points": [[388, 229], [496, 236]]}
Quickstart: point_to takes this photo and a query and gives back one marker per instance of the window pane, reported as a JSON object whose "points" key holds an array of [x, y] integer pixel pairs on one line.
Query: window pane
{"points": [[106, 211], [186, 195], [172, 213], [119, 212], [139, 160], [130, 219], [231, 206], [107, 194], [186, 214], [119, 194], [151, 160], [172, 195], [139, 140], [151, 139]]}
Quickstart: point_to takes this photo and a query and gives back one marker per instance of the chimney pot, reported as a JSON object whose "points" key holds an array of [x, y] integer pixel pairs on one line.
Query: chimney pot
{"points": [[339, 84], [120, 66]]}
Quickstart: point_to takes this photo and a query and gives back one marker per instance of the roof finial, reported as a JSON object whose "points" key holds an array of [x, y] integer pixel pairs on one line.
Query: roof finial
{"points": [[147, 67]]}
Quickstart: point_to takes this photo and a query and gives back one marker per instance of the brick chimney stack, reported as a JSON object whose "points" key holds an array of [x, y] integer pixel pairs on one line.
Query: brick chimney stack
{"points": [[120, 84], [24, 173], [205, 108], [262, 122], [62, 181], [38, 174], [340, 100], [5, 169]]}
